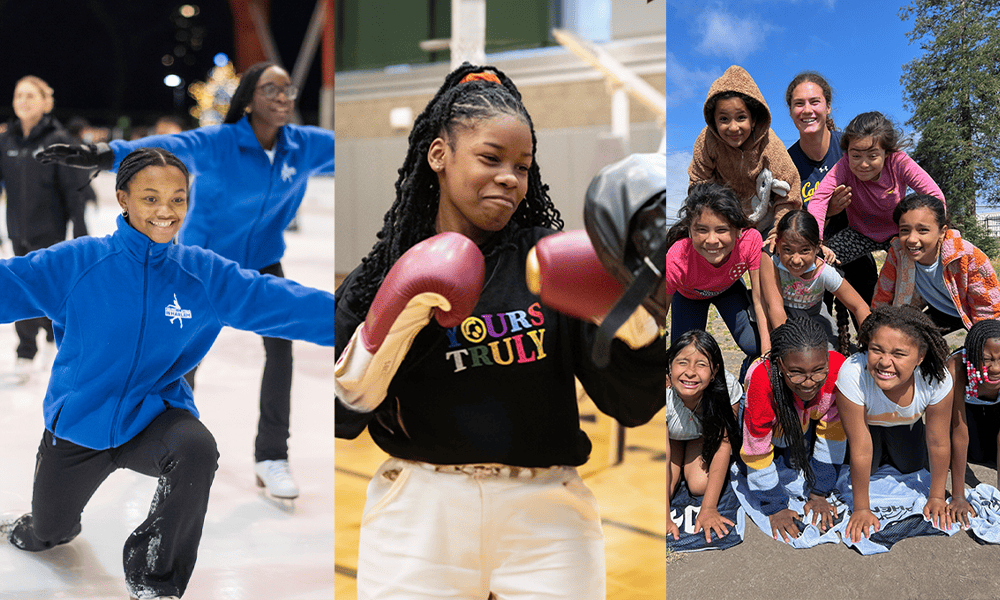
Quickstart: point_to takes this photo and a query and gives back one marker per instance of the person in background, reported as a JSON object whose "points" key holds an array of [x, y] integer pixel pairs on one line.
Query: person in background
{"points": [[41, 199]]}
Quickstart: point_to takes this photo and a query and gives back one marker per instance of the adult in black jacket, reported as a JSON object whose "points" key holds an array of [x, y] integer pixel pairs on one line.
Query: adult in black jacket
{"points": [[41, 199]]}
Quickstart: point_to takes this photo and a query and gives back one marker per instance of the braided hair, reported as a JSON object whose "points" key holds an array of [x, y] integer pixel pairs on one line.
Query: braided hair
{"points": [[720, 199], [243, 95], [411, 218], [141, 158], [917, 326], [978, 335], [794, 335], [717, 418]]}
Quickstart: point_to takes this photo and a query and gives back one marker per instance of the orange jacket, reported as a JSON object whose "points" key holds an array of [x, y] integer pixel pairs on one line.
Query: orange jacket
{"points": [[968, 276]]}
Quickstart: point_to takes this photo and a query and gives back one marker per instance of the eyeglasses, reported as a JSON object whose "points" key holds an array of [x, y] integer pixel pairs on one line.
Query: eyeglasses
{"points": [[270, 90], [799, 378]]}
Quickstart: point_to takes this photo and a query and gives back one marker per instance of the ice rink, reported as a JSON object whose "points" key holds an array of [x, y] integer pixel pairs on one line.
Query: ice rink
{"points": [[252, 548]]}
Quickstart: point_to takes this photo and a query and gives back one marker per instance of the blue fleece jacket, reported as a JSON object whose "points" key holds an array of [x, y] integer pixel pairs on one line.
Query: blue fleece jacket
{"points": [[241, 203], [131, 317]]}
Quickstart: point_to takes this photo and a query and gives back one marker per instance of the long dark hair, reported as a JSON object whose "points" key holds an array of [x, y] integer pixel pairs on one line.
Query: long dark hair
{"points": [[802, 224], [411, 217], [794, 335], [720, 199], [717, 418], [243, 95]]}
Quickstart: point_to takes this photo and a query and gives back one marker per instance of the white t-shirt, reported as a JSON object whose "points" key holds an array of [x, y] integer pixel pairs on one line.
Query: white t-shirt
{"points": [[683, 423], [858, 386]]}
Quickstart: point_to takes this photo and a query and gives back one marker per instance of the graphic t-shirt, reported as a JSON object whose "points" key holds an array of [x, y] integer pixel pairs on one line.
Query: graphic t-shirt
{"points": [[690, 275], [858, 386], [811, 172], [806, 293], [500, 387]]}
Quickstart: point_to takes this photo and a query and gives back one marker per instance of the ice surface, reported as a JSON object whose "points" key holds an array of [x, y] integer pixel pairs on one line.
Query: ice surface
{"points": [[252, 547]]}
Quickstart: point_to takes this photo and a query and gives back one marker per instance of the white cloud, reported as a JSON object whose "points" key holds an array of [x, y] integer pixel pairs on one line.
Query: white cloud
{"points": [[677, 182], [730, 36], [684, 83]]}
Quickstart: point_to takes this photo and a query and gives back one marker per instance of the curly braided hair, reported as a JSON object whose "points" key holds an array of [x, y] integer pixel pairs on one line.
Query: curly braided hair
{"points": [[794, 335], [917, 326], [980, 333], [411, 218]]}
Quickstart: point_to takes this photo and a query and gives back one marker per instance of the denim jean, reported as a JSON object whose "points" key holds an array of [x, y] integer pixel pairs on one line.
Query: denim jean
{"points": [[734, 307]]}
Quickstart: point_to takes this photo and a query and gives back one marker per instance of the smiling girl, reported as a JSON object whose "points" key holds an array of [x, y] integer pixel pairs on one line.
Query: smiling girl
{"points": [[251, 175], [930, 266], [702, 401], [794, 280], [480, 493], [975, 419], [789, 397], [711, 246], [878, 173], [738, 143], [132, 313], [894, 398]]}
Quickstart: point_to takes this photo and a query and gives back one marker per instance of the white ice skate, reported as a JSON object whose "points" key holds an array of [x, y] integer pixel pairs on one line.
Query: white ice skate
{"points": [[275, 477]]}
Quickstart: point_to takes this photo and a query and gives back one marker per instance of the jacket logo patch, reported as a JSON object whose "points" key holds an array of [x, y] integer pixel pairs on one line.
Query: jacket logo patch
{"points": [[176, 313], [287, 172]]}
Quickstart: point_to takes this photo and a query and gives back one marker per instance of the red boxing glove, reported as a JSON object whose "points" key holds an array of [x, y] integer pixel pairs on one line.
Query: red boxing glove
{"points": [[440, 276], [564, 270], [448, 267]]}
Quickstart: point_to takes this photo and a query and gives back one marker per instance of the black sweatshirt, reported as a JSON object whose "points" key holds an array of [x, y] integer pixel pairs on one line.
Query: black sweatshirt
{"points": [[500, 388], [41, 199]]}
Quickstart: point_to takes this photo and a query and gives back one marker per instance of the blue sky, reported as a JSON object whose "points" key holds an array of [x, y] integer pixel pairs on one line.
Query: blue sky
{"points": [[860, 46]]}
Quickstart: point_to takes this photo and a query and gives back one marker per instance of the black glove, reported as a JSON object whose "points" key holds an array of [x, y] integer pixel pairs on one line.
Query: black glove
{"points": [[87, 156]]}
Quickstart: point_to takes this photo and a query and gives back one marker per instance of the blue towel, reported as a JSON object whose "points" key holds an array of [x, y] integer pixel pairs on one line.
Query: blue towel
{"points": [[684, 510], [794, 484], [898, 501], [985, 526]]}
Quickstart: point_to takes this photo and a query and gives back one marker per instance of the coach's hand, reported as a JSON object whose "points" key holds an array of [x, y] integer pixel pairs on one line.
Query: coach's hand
{"points": [[87, 156]]}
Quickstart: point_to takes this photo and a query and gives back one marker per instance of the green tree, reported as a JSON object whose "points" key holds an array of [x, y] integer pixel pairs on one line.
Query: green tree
{"points": [[952, 90]]}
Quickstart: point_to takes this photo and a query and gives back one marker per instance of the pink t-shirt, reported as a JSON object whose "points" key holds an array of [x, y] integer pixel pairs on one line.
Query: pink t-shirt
{"points": [[690, 275], [872, 202]]}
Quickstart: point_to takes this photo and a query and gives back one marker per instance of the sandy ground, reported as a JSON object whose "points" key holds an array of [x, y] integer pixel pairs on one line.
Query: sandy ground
{"points": [[927, 568]]}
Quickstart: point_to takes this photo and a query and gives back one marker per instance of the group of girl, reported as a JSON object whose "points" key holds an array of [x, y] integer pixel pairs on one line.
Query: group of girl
{"points": [[480, 497], [933, 282]]}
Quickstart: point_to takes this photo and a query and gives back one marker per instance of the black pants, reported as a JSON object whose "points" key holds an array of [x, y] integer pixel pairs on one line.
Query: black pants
{"points": [[902, 446], [984, 429], [275, 393], [27, 330], [160, 554], [27, 334]]}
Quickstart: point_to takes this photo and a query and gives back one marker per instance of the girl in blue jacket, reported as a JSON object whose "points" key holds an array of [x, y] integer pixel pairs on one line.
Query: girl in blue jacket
{"points": [[251, 174], [132, 313]]}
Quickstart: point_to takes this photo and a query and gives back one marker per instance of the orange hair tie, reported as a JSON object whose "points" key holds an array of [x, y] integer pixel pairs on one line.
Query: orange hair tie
{"points": [[483, 76]]}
